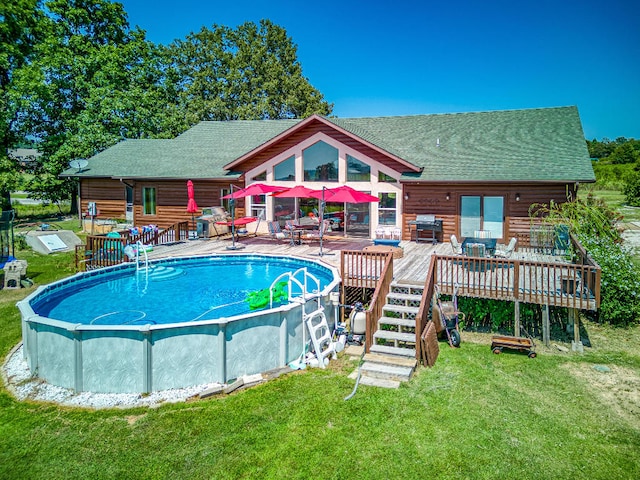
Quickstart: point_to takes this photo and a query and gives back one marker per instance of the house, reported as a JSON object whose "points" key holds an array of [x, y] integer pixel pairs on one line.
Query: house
{"points": [[474, 171], [25, 157]]}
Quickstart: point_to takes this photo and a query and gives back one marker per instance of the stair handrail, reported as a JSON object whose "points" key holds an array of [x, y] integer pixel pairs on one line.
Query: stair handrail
{"points": [[378, 299], [422, 317]]}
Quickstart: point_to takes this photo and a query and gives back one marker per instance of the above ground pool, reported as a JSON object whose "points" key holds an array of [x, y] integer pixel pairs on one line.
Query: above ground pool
{"points": [[174, 323]]}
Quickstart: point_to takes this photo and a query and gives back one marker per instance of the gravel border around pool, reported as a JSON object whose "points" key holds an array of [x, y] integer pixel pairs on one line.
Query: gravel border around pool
{"points": [[24, 386]]}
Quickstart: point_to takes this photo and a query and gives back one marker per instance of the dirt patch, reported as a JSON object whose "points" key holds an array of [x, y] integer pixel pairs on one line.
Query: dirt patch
{"points": [[132, 419], [618, 387]]}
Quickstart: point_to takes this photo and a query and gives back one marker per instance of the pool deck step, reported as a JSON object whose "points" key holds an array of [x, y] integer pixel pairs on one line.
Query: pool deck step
{"points": [[399, 351], [386, 371], [394, 336], [397, 322]]}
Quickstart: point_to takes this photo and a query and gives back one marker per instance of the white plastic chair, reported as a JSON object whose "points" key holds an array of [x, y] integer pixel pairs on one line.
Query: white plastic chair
{"points": [[508, 251], [455, 245]]}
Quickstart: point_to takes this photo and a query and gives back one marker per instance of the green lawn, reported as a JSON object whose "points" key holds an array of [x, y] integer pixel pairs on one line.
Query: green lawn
{"points": [[615, 199], [474, 415]]}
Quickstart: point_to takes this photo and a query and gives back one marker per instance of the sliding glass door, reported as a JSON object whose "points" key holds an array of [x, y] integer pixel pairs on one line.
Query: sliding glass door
{"points": [[481, 213]]}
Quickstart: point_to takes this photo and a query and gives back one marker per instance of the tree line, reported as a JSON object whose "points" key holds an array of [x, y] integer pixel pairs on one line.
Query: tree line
{"points": [[76, 78], [618, 151], [624, 157]]}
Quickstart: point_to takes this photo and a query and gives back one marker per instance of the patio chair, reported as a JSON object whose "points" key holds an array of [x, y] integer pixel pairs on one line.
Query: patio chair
{"points": [[275, 231], [455, 245], [482, 234], [315, 234], [508, 251]]}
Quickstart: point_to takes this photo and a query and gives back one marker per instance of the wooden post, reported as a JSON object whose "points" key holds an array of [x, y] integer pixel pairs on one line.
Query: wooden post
{"points": [[546, 333], [516, 318], [576, 345]]}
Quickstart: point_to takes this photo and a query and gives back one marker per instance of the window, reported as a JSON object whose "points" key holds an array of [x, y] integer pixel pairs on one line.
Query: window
{"points": [[481, 213], [284, 209], [357, 171], [285, 170], [225, 202], [148, 200], [320, 162], [258, 205], [384, 178], [387, 209], [260, 177]]}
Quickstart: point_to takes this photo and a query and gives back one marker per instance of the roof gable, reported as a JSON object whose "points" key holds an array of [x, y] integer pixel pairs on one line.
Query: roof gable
{"points": [[402, 164]]}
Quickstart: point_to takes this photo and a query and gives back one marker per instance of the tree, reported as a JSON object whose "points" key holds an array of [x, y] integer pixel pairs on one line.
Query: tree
{"points": [[624, 153], [248, 73], [600, 149], [20, 22], [94, 82], [90, 81]]}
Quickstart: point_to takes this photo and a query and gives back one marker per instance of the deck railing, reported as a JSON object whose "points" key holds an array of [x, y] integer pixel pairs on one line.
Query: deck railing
{"points": [[368, 270], [545, 283], [102, 251]]}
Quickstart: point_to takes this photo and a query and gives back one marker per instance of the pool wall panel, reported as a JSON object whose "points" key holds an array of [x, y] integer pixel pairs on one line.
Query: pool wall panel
{"points": [[185, 356], [55, 355], [112, 362]]}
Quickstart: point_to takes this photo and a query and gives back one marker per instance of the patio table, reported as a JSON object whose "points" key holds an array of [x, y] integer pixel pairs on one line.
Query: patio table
{"points": [[489, 243], [238, 222]]}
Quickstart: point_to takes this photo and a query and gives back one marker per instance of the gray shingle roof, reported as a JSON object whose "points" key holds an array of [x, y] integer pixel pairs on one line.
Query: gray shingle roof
{"points": [[200, 152], [544, 144]]}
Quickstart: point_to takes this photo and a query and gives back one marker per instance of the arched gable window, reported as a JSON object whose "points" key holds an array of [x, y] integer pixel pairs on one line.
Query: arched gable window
{"points": [[357, 170], [320, 163], [285, 171]]}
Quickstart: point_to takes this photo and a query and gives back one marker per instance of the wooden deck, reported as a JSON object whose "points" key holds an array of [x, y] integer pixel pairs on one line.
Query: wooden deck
{"points": [[527, 277]]}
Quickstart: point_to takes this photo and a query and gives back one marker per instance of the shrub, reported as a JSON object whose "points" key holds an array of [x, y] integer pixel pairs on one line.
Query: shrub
{"points": [[599, 231], [631, 189], [620, 281]]}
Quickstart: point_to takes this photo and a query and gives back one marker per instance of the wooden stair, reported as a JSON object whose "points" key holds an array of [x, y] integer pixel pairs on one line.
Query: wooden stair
{"points": [[392, 357]]}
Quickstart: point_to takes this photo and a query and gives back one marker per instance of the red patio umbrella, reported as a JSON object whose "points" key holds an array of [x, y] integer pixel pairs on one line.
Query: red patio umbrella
{"points": [[346, 194], [299, 191], [192, 206], [343, 194], [254, 189]]}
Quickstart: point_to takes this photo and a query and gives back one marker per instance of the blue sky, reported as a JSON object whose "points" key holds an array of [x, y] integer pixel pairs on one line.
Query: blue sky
{"points": [[379, 58]]}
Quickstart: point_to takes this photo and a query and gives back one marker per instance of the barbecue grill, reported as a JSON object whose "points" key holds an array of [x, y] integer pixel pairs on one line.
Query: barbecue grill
{"points": [[427, 223]]}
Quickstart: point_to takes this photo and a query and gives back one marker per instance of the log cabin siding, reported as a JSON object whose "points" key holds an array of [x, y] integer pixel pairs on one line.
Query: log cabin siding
{"points": [[290, 141], [171, 199], [108, 194], [432, 199]]}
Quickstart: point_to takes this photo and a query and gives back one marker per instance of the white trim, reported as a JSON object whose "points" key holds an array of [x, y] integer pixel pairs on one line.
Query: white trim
{"points": [[373, 186]]}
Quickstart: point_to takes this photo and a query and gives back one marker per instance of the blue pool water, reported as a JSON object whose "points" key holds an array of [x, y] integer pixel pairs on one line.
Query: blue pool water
{"points": [[172, 291]]}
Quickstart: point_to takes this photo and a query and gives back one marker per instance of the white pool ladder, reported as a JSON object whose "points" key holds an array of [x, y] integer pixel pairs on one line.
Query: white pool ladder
{"points": [[315, 321], [321, 337]]}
